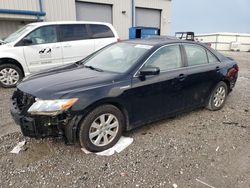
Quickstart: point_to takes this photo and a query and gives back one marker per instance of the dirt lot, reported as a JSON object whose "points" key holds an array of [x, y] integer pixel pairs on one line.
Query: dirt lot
{"points": [[212, 147]]}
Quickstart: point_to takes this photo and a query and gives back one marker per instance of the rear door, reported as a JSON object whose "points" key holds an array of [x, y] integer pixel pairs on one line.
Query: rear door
{"points": [[45, 50], [203, 74], [76, 42], [102, 35]]}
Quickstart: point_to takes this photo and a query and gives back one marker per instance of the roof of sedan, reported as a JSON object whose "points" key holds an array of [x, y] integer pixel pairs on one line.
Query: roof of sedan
{"points": [[158, 41], [154, 40]]}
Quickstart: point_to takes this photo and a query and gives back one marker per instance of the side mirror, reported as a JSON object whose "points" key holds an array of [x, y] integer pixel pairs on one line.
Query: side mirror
{"points": [[147, 71], [26, 42]]}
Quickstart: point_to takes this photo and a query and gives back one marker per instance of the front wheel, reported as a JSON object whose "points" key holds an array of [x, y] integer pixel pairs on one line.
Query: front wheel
{"points": [[9, 75], [102, 128], [218, 97]]}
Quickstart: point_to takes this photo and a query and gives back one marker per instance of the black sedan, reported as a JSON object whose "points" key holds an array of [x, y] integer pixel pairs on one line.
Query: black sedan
{"points": [[120, 87]]}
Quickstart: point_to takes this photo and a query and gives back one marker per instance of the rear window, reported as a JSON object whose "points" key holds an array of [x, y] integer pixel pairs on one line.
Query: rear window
{"points": [[73, 32], [101, 31]]}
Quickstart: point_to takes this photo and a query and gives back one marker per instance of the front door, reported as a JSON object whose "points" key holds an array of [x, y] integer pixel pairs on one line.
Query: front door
{"points": [[146, 98], [159, 95], [44, 51]]}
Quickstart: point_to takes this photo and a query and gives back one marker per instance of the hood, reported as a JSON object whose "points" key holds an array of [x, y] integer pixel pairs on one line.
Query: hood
{"points": [[55, 83], [4, 46]]}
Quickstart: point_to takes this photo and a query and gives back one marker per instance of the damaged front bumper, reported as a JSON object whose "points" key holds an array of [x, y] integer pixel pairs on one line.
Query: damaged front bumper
{"points": [[36, 126]]}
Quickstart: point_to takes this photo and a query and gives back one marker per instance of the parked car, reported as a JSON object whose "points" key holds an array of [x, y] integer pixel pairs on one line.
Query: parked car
{"points": [[120, 87], [44, 45]]}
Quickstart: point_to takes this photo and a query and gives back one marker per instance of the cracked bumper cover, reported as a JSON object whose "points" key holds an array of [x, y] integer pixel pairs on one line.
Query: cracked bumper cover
{"points": [[46, 126]]}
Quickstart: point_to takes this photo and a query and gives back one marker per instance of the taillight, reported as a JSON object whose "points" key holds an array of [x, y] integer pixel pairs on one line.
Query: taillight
{"points": [[233, 71], [236, 67]]}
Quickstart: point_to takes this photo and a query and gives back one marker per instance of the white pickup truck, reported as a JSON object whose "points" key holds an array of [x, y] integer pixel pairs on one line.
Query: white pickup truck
{"points": [[44, 45]]}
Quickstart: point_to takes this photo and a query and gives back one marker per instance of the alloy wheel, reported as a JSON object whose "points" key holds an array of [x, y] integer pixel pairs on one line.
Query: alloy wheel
{"points": [[219, 96], [103, 129], [9, 76]]}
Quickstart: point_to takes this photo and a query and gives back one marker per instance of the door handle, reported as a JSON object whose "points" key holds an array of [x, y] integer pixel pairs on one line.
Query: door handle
{"points": [[182, 77], [55, 47], [67, 46], [217, 69]]}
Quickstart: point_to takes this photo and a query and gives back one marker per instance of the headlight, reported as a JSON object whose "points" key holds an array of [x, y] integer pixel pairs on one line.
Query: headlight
{"points": [[51, 107]]}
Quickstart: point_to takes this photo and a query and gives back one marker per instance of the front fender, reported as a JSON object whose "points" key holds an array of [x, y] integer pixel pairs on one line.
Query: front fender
{"points": [[113, 92], [88, 100], [19, 59]]}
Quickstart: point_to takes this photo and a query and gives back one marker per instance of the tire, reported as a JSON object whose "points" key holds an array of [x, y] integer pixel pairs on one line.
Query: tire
{"points": [[10, 75], [218, 97], [93, 131]]}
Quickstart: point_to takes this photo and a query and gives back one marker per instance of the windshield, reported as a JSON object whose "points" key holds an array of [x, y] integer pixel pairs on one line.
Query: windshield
{"points": [[118, 58], [12, 37]]}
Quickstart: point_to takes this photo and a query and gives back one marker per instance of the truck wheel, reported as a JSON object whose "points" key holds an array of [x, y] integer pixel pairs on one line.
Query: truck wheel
{"points": [[218, 97], [102, 128], [9, 75]]}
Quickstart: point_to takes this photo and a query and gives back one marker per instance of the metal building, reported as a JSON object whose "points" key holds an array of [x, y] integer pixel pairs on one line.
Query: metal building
{"points": [[123, 14], [227, 41]]}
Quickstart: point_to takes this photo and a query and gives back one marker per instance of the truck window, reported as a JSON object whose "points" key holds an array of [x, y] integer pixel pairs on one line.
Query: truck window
{"points": [[101, 31], [73, 32]]}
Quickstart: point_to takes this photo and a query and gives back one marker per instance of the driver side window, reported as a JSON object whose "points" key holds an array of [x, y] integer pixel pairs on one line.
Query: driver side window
{"points": [[43, 35], [166, 58]]}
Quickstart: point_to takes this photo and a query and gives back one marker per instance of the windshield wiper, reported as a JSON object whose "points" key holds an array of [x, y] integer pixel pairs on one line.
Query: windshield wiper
{"points": [[93, 68]]}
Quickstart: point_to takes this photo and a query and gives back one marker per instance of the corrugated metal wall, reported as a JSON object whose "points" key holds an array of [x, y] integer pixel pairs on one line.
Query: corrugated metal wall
{"points": [[223, 41], [124, 21], [121, 21], [20, 4], [60, 10], [11, 22], [7, 27], [32, 5]]}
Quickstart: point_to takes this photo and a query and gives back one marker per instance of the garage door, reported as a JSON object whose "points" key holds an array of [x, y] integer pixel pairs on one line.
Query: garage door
{"points": [[93, 12], [148, 17]]}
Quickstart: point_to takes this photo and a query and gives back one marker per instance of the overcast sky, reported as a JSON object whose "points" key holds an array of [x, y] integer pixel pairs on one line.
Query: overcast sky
{"points": [[206, 16]]}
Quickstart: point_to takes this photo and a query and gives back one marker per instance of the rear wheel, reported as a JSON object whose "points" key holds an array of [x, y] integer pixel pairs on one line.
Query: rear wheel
{"points": [[101, 128], [9, 75], [218, 97]]}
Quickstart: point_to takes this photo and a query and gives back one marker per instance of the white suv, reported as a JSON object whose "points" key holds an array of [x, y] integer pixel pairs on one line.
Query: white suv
{"points": [[44, 45]]}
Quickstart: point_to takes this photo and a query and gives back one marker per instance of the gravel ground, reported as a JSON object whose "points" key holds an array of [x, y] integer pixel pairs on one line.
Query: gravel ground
{"points": [[195, 147]]}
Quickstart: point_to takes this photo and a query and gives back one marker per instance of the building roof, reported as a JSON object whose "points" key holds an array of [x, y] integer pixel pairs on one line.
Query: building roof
{"points": [[224, 33]]}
